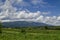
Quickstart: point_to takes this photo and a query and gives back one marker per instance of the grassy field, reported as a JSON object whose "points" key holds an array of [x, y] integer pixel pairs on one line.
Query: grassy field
{"points": [[16, 34]]}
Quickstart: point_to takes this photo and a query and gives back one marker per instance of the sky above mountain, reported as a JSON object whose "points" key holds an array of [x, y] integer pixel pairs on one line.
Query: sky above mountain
{"points": [[45, 11]]}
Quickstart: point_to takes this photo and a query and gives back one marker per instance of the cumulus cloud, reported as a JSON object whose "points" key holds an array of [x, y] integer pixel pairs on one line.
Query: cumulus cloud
{"points": [[45, 13], [41, 2], [10, 14]]}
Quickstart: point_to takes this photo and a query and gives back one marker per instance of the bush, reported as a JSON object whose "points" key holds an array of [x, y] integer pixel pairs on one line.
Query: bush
{"points": [[23, 31], [46, 27]]}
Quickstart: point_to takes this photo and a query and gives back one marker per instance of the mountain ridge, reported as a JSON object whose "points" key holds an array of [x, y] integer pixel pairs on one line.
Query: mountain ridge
{"points": [[23, 24]]}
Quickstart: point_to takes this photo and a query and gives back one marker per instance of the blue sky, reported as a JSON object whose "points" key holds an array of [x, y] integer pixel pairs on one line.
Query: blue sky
{"points": [[52, 6], [46, 11]]}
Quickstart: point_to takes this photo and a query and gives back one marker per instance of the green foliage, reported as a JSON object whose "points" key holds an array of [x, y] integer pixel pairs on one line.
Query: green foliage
{"points": [[23, 31], [31, 33], [12, 34], [46, 27], [0, 27]]}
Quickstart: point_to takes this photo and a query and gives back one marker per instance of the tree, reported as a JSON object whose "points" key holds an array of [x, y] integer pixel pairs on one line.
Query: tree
{"points": [[23, 31], [0, 27], [46, 27]]}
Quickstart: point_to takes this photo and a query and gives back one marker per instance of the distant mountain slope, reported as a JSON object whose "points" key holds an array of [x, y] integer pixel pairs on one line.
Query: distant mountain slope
{"points": [[23, 24]]}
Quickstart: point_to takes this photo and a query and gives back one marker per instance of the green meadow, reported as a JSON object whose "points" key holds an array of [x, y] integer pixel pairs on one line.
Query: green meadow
{"points": [[29, 34]]}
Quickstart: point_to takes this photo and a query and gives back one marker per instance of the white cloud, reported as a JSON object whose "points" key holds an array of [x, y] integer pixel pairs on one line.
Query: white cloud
{"points": [[38, 2], [58, 18], [8, 11], [27, 15], [45, 13], [40, 18], [20, 3]]}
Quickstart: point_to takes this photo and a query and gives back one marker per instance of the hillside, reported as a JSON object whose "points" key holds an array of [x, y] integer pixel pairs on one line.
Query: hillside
{"points": [[23, 24]]}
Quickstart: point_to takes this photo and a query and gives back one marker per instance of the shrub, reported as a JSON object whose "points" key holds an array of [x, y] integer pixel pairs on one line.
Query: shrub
{"points": [[46, 27], [23, 31]]}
